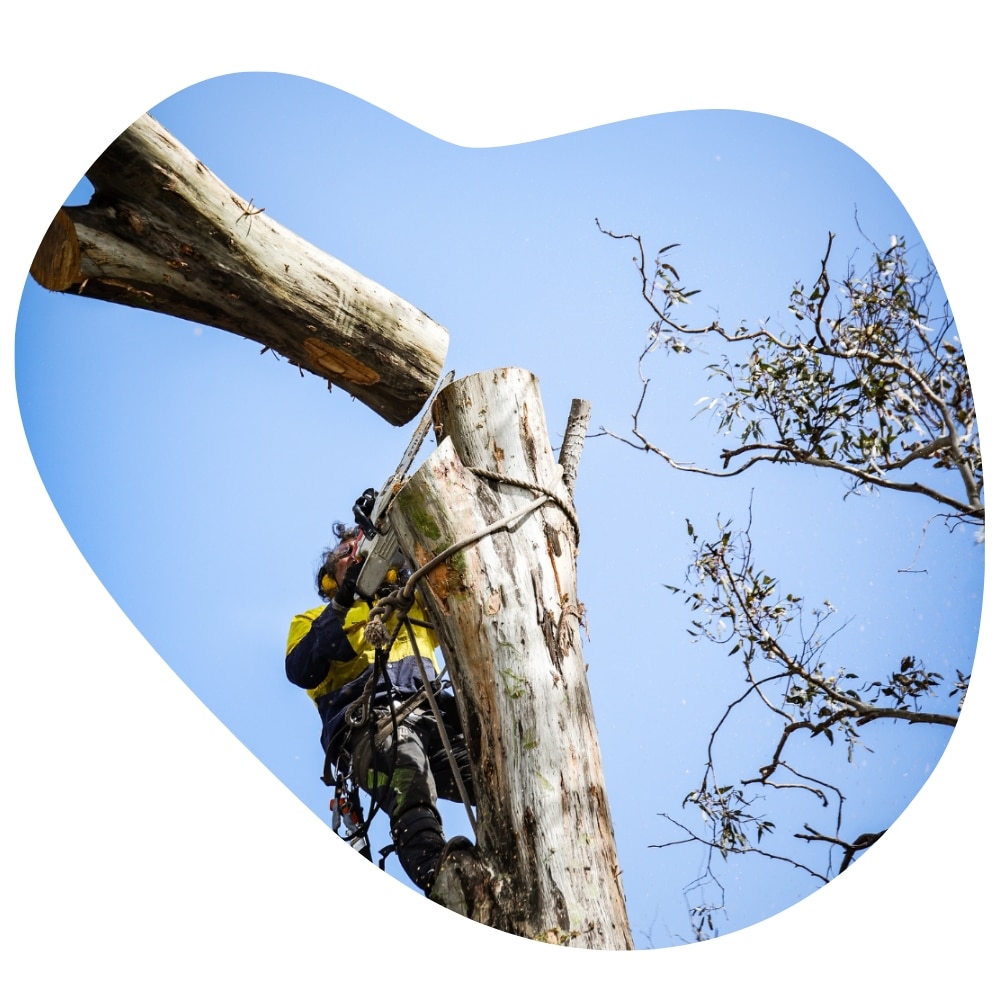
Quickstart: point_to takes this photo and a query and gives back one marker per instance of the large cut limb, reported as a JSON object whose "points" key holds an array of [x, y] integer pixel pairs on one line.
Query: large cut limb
{"points": [[162, 232]]}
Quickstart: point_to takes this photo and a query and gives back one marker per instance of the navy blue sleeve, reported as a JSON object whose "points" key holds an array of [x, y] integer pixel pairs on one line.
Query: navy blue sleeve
{"points": [[308, 663]]}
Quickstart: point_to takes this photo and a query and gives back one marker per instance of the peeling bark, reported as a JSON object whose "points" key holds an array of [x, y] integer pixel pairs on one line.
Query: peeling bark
{"points": [[509, 624]]}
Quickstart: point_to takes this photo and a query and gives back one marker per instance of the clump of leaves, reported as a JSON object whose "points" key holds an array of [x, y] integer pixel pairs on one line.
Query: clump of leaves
{"points": [[783, 650], [871, 382]]}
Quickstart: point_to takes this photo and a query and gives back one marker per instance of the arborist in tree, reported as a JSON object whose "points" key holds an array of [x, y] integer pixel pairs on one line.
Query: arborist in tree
{"points": [[380, 732]]}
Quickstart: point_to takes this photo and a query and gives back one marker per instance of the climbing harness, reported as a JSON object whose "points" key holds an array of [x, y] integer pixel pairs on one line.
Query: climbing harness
{"points": [[346, 809], [367, 719]]}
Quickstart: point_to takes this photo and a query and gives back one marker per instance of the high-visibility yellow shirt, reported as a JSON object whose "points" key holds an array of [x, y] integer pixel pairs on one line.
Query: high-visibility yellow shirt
{"points": [[341, 671]]}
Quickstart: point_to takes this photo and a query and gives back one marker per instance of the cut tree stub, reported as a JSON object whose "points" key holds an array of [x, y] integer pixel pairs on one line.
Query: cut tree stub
{"points": [[508, 619]]}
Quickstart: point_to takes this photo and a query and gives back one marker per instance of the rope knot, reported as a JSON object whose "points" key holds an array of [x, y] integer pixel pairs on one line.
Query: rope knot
{"points": [[399, 600], [376, 634]]}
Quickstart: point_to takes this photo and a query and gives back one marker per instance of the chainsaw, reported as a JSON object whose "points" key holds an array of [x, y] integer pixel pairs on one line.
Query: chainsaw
{"points": [[378, 548]]}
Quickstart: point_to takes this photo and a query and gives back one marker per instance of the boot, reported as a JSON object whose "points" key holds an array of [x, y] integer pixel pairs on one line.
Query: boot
{"points": [[419, 840], [455, 844]]}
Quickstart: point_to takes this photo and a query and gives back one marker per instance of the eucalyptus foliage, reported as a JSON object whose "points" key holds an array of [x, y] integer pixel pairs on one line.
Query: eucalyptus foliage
{"points": [[870, 383]]}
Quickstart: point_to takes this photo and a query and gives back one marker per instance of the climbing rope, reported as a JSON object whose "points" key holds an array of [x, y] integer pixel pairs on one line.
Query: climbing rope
{"points": [[456, 771], [525, 484], [546, 496]]}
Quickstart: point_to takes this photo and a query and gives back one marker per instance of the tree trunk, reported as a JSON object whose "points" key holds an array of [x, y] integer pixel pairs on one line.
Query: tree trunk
{"points": [[509, 623], [162, 232]]}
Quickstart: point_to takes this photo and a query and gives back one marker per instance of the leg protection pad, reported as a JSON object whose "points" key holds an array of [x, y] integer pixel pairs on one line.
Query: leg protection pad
{"points": [[419, 841]]}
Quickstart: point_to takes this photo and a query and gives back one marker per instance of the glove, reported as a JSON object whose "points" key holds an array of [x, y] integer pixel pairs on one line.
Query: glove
{"points": [[343, 596]]}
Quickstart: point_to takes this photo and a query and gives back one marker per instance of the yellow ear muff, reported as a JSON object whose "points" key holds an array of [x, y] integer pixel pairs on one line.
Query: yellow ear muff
{"points": [[328, 583]]}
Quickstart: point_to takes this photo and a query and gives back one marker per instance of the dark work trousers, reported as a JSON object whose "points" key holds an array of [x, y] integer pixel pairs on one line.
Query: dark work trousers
{"points": [[409, 767], [404, 770]]}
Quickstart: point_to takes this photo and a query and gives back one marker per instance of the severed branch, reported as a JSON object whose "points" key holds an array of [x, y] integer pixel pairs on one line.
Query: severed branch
{"points": [[163, 233]]}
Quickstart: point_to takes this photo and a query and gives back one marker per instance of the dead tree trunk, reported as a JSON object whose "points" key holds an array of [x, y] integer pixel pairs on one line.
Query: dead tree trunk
{"points": [[162, 232], [509, 625]]}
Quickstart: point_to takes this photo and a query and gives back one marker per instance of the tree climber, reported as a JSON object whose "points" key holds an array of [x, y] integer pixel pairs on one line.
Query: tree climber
{"points": [[392, 751]]}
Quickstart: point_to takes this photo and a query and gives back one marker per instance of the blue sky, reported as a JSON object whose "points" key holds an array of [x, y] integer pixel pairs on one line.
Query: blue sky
{"points": [[199, 479], [499, 245]]}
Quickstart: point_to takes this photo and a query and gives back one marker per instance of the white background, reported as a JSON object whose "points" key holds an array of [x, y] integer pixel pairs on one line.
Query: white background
{"points": [[211, 881]]}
